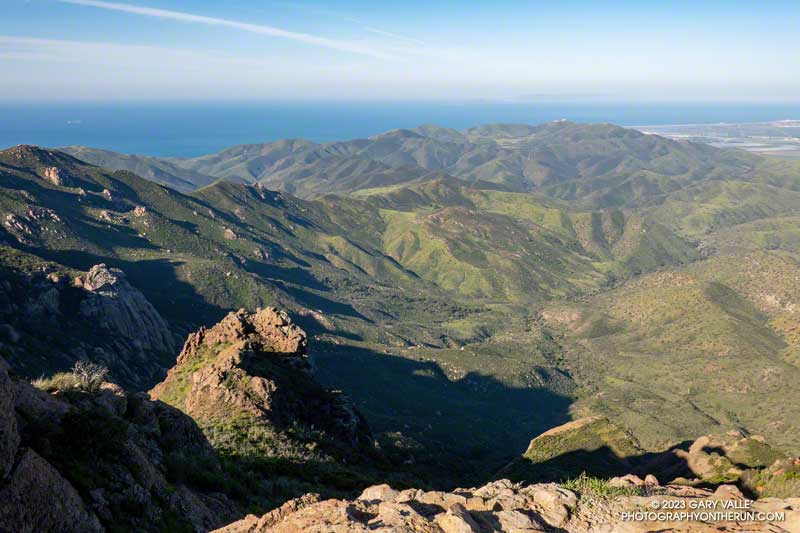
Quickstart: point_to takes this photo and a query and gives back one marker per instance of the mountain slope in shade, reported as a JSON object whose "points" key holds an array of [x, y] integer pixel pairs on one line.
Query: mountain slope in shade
{"points": [[159, 170]]}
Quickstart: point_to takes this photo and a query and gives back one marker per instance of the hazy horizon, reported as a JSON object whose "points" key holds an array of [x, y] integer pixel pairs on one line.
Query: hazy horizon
{"points": [[151, 50], [192, 129]]}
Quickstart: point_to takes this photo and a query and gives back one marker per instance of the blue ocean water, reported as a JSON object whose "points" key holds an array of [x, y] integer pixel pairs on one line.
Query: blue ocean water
{"points": [[170, 129]]}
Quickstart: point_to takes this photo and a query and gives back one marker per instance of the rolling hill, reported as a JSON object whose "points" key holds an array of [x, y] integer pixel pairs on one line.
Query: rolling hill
{"points": [[596, 165], [469, 290]]}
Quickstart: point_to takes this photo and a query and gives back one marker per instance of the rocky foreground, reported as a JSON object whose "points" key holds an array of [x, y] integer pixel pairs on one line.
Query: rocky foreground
{"points": [[502, 506], [92, 457]]}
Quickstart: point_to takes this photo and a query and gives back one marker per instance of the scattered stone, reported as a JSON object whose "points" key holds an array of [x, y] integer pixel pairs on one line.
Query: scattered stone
{"points": [[629, 480], [516, 509]]}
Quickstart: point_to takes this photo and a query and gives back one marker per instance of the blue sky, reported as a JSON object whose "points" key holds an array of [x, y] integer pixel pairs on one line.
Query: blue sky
{"points": [[412, 50]]}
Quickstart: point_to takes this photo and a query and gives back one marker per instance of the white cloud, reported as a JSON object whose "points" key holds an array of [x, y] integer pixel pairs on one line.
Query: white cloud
{"points": [[260, 29]]}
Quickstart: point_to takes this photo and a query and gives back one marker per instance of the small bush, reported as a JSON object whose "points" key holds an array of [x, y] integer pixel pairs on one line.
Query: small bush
{"points": [[84, 376], [591, 487]]}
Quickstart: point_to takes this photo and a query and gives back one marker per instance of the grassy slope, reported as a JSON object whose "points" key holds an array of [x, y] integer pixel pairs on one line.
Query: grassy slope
{"points": [[432, 291], [675, 353]]}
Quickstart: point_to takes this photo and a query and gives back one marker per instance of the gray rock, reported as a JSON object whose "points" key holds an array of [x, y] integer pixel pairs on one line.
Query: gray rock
{"points": [[37, 498], [9, 437]]}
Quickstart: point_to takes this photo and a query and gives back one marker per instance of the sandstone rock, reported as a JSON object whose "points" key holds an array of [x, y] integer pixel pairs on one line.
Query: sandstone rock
{"points": [[20, 228], [728, 492], [252, 367], [394, 516], [629, 480], [651, 480], [412, 514], [552, 502], [330, 516], [457, 520], [517, 521], [139, 211], [230, 235], [56, 176], [117, 445], [383, 493], [41, 312], [713, 456]]}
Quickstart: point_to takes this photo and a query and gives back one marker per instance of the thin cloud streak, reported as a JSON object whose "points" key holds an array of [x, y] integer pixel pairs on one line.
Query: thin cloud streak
{"points": [[378, 31], [260, 29]]}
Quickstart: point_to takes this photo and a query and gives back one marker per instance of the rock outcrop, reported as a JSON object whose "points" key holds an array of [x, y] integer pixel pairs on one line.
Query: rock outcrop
{"points": [[97, 316], [254, 365], [592, 444], [115, 306], [56, 176], [247, 383], [726, 457], [505, 507], [80, 461]]}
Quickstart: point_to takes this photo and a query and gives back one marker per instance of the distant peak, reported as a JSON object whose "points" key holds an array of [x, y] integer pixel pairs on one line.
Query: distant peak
{"points": [[400, 133], [35, 155]]}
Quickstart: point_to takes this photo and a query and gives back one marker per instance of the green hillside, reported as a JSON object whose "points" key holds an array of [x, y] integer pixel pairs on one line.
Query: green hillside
{"points": [[469, 290]]}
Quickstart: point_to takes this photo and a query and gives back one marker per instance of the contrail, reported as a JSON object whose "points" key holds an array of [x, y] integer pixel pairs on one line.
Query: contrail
{"points": [[271, 31]]}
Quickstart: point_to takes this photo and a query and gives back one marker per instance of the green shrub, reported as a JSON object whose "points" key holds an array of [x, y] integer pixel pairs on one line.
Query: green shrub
{"points": [[592, 487], [84, 376]]}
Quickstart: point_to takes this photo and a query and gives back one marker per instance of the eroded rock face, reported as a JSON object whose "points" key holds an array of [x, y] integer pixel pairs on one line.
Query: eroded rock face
{"points": [[56, 176], [254, 364], [77, 461], [500, 506], [116, 306], [36, 497], [270, 328], [98, 316]]}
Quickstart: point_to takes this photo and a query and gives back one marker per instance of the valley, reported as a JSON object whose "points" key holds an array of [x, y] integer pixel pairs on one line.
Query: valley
{"points": [[466, 290]]}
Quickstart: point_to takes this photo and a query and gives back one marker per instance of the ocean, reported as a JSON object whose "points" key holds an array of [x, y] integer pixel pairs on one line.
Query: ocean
{"points": [[185, 130]]}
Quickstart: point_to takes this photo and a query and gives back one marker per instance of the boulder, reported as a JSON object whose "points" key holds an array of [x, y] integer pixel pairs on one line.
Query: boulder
{"points": [[524, 511], [36, 498], [457, 520], [379, 493], [628, 480]]}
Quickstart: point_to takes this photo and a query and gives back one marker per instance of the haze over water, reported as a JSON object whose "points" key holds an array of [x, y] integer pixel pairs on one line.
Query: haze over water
{"points": [[184, 130]]}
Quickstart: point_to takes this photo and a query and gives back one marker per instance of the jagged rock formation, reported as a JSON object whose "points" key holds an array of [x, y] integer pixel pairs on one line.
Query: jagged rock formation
{"points": [[247, 383], [502, 506], [254, 365], [119, 308], [55, 176], [98, 316], [80, 461]]}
